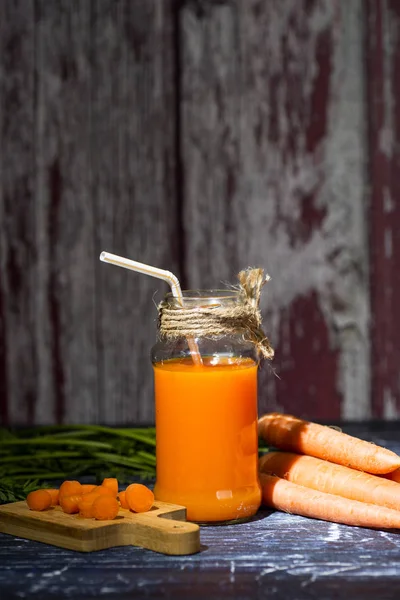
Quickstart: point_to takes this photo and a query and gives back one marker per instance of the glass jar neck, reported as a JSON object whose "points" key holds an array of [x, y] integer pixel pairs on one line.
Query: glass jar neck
{"points": [[206, 299]]}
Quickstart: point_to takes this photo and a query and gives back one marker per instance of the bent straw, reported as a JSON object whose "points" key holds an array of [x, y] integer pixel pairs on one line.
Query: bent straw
{"points": [[167, 276]]}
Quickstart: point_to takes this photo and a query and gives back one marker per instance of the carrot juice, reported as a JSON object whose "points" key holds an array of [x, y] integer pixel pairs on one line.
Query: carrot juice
{"points": [[206, 437]]}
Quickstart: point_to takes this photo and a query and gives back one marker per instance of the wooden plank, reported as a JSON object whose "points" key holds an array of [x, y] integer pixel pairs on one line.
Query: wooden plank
{"points": [[273, 152], [383, 55], [18, 381], [133, 140], [65, 273]]}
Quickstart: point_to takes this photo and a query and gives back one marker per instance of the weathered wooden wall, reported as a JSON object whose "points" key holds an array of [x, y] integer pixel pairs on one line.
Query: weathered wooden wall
{"points": [[201, 136]]}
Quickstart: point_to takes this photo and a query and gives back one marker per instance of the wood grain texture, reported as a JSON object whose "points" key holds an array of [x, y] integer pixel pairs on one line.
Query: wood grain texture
{"points": [[383, 56], [87, 163], [201, 136], [133, 140], [64, 217], [162, 529], [273, 151], [18, 382]]}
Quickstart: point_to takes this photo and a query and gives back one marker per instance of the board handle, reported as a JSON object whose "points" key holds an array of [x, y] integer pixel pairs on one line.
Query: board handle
{"points": [[164, 535]]}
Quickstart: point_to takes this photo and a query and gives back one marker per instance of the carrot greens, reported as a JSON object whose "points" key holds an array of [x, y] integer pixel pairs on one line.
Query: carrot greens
{"points": [[32, 458]]}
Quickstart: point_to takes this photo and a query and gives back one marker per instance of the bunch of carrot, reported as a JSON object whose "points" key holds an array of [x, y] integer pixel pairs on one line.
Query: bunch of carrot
{"points": [[325, 474], [101, 502]]}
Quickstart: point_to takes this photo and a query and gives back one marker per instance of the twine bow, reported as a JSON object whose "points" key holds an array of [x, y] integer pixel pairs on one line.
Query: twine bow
{"points": [[208, 321]]}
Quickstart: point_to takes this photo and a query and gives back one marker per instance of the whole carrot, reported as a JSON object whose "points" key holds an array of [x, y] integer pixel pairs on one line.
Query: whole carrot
{"points": [[394, 475], [299, 500], [328, 477], [289, 433]]}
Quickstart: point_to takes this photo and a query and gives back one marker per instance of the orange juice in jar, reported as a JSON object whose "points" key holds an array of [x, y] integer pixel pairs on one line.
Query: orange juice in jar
{"points": [[206, 419]]}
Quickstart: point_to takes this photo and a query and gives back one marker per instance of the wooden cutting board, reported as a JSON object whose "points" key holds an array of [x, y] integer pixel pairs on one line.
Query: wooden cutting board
{"points": [[162, 529]]}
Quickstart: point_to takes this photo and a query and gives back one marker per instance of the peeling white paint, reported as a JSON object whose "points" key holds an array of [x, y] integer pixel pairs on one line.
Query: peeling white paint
{"points": [[390, 411], [277, 172], [388, 202], [388, 242], [386, 138]]}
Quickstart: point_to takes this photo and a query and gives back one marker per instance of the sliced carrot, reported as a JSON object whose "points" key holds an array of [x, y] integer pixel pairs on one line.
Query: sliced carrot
{"points": [[85, 505], [101, 490], [289, 433], [139, 497], [70, 488], [111, 484], [54, 493], [87, 487], [39, 500], [299, 500], [105, 508], [331, 478], [122, 500], [70, 504]]}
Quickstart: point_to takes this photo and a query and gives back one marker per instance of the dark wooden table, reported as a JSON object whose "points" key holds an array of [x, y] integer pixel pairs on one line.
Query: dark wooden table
{"points": [[276, 555]]}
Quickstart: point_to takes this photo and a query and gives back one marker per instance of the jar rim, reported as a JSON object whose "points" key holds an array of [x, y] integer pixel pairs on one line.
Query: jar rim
{"points": [[196, 298]]}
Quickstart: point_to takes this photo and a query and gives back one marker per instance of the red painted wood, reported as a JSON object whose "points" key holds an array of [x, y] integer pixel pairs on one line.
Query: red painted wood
{"points": [[308, 371], [383, 56], [306, 364]]}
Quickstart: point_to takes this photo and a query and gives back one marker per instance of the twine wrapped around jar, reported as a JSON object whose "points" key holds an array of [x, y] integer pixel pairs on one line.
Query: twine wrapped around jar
{"points": [[213, 321]]}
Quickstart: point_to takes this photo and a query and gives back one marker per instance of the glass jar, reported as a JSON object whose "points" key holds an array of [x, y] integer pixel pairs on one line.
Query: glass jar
{"points": [[206, 420]]}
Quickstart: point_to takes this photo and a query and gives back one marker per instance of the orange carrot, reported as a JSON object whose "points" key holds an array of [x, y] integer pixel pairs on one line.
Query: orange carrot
{"points": [[85, 505], [54, 493], [70, 504], [394, 475], [39, 500], [289, 433], [122, 500], [111, 484], [87, 487], [328, 477], [139, 497], [105, 508], [101, 490], [299, 500], [69, 488]]}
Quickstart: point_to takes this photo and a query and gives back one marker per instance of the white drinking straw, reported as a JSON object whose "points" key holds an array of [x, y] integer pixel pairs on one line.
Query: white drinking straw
{"points": [[167, 276]]}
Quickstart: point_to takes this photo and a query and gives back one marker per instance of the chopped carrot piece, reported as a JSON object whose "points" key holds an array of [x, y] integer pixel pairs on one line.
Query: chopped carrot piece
{"points": [[101, 490], [70, 504], [105, 508], [112, 484], [139, 497], [122, 500], [87, 487], [70, 488], [54, 493], [85, 505], [39, 500]]}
